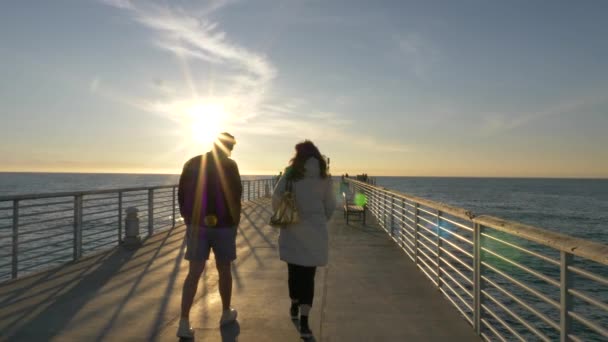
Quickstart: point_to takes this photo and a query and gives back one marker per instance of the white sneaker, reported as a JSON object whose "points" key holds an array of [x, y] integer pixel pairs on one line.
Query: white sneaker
{"points": [[185, 330], [228, 316]]}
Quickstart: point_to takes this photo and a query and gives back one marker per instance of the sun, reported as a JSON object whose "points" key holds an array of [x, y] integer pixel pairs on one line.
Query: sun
{"points": [[206, 120]]}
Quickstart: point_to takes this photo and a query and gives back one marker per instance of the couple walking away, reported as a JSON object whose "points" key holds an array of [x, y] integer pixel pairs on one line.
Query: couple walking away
{"points": [[209, 196]]}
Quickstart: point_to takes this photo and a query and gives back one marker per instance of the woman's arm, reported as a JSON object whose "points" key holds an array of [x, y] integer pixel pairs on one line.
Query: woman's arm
{"points": [[279, 189], [329, 200]]}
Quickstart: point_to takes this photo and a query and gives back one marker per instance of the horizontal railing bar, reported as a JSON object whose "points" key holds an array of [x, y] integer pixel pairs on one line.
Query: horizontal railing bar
{"points": [[522, 303], [458, 224], [409, 233], [408, 218], [100, 198], [425, 211], [112, 210], [55, 227], [465, 290], [457, 259], [97, 232], [574, 338], [79, 193], [522, 285], [67, 258], [588, 274], [164, 207], [101, 232], [456, 235], [588, 299], [100, 205], [434, 256], [99, 219], [410, 249], [460, 249], [24, 251], [538, 255], [432, 223], [434, 243], [46, 212], [583, 248], [449, 264], [159, 201], [71, 217], [502, 322], [424, 261], [588, 323], [142, 200], [429, 231], [35, 205], [464, 314], [523, 268], [423, 269], [104, 237], [493, 330], [46, 253], [514, 315]]}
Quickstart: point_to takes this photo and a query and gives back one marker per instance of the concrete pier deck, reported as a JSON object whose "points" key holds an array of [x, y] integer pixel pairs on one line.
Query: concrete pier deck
{"points": [[370, 291]]}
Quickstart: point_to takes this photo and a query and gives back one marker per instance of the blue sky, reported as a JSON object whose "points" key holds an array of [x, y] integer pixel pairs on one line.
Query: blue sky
{"points": [[422, 88]]}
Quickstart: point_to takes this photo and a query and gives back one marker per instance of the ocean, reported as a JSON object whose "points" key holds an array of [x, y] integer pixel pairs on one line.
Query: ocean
{"points": [[577, 207]]}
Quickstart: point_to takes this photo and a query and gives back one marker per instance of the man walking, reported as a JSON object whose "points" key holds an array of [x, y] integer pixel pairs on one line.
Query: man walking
{"points": [[209, 196]]}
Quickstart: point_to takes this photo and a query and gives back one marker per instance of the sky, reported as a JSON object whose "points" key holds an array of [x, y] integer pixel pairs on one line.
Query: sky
{"points": [[403, 88]]}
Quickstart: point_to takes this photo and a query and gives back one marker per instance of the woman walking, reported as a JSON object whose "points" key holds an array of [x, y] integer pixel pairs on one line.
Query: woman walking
{"points": [[304, 245]]}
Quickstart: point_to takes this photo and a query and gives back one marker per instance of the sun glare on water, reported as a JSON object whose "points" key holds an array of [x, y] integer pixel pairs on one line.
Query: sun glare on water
{"points": [[206, 121]]}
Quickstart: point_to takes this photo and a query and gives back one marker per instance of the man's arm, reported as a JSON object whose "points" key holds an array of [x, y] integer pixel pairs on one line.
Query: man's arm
{"points": [[233, 189], [184, 180]]}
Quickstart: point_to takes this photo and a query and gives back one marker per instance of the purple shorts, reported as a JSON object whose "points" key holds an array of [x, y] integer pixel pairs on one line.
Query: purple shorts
{"points": [[222, 240]]}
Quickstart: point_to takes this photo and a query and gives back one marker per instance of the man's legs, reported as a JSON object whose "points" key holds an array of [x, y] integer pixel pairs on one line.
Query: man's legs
{"points": [[223, 243], [225, 281], [191, 285]]}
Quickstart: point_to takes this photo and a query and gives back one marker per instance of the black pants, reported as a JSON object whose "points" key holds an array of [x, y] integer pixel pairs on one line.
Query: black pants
{"points": [[301, 283]]}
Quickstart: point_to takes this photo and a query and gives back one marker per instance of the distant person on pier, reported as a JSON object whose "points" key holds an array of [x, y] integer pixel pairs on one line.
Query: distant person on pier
{"points": [[304, 245], [209, 196]]}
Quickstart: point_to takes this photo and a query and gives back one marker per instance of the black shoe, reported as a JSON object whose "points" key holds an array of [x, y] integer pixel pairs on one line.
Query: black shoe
{"points": [[294, 311], [304, 329]]}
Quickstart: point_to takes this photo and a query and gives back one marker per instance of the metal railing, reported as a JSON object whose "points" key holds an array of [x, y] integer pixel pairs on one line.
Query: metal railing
{"points": [[39, 231], [510, 281]]}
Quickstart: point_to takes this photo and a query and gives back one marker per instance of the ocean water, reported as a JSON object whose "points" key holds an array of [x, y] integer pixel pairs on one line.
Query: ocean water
{"points": [[577, 207], [33, 183]]}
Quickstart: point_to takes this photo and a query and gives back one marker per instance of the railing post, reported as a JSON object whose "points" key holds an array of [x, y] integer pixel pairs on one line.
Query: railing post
{"points": [[15, 251], [150, 211], [119, 217], [249, 190], [77, 227], [438, 241], [402, 224], [477, 281], [392, 215], [173, 207], [416, 244], [565, 322]]}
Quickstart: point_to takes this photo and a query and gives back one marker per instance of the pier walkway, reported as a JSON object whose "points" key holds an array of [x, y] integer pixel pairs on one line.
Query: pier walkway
{"points": [[370, 291]]}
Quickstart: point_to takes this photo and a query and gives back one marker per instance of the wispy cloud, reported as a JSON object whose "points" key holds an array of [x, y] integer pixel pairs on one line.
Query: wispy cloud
{"points": [[195, 38], [247, 76], [498, 122], [418, 53]]}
